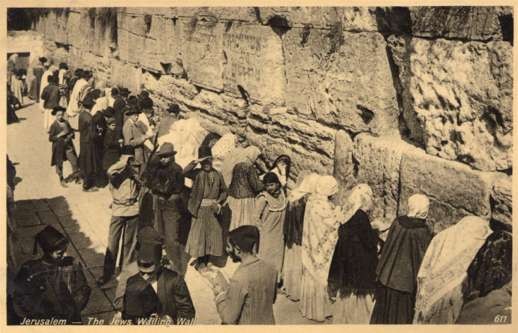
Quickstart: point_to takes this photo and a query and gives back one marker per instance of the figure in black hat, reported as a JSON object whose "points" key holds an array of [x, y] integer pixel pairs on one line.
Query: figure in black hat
{"points": [[88, 161], [124, 187], [119, 96], [61, 136], [53, 286], [249, 296], [50, 96], [111, 142], [209, 192], [135, 134], [155, 291], [164, 177]]}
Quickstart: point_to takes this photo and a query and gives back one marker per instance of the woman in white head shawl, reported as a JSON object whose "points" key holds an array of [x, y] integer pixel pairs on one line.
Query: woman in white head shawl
{"points": [[293, 226], [244, 186], [321, 222], [45, 80], [439, 295]]}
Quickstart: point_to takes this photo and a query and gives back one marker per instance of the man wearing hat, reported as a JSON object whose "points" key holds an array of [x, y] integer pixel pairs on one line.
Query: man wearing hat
{"points": [[247, 299], [164, 177], [135, 135], [124, 187], [50, 97], [119, 104], [61, 136], [155, 291], [88, 134], [111, 142], [208, 194], [53, 286]]}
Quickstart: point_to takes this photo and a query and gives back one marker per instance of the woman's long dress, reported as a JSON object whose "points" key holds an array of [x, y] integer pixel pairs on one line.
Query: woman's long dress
{"points": [[35, 85], [271, 213]]}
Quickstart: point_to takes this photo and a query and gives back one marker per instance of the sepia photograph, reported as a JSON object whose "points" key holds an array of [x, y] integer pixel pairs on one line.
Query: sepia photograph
{"points": [[290, 165]]}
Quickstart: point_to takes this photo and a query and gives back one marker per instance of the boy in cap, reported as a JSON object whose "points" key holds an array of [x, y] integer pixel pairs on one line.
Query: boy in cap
{"points": [[61, 136], [53, 286], [124, 187], [155, 291], [135, 135], [249, 296], [164, 177]]}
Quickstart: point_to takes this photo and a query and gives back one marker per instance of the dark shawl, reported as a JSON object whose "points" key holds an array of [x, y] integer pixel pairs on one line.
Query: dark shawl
{"points": [[492, 267], [402, 254], [88, 162], [119, 106], [353, 267], [294, 222], [207, 185], [172, 299], [60, 145]]}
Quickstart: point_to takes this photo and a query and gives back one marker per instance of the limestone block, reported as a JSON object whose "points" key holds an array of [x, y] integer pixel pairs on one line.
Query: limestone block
{"points": [[73, 28], [502, 199], [203, 52], [175, 90], [378, 164], [462, 96], [136, 44], [340, 78], [254, 63], [350, 18], [247, 14], [462, 22], [454, 189], [126, 75], [61, 35], [123, 44]]}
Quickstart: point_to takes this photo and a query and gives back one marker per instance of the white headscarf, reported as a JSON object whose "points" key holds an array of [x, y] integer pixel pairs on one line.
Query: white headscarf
{"points": [[418, 205], [359, 198], [444, 268], [307, 186], [326, 187]]}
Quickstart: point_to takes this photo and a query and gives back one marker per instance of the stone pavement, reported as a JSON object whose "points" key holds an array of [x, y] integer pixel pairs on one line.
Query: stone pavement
{"points": [[84, 219]]}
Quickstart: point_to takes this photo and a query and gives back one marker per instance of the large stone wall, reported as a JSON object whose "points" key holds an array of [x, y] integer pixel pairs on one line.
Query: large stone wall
{"points": [[408, 100]]}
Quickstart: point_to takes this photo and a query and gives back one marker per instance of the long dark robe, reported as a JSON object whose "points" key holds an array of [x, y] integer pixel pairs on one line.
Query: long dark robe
{"points": [[399, 263], [45, 290], [111, 148], [60, 145], [87, 160], [99, 124], [119, 106], [353, 267], [293, 226], [172, 298]]}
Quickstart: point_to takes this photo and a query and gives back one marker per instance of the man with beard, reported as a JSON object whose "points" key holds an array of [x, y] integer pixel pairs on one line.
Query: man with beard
{"points": [[164, 177], [249, 296], [155, 295], [61, 136], [53, 286]]}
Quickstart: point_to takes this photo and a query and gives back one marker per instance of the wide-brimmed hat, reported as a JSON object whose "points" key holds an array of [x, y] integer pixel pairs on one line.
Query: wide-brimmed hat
{"points": [[57, 109], [149, 249], [50, 239], [166, 149]]}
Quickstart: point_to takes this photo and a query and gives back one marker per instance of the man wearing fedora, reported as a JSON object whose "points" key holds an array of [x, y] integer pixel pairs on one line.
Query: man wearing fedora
{"points": [[135, 135], [124, 187], [61, 136], [155, 294], [164, 177], [52, 287]]}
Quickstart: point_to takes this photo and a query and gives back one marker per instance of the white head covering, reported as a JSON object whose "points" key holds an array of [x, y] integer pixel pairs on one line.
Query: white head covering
{"points": [[307, 186], [418, 205], [327, 186], [359, 198], [444, 268]]}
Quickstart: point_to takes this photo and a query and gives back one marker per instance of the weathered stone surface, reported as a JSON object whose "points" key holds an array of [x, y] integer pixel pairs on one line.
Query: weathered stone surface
{"points": [[246, 14], [203, 50], [378, 164], [462, 95], [126, 75], [341, 79], [254, 63], [343, 163], [502, 199], [454, 189], [348, 18], [175, 90], [73, 28], [472, 23]]}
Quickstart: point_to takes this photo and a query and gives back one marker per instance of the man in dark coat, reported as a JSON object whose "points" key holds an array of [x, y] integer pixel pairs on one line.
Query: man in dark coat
{"points": [[156, 291], [53, 286], [119, 105], [111, 143], [87, 154], [61, 136], [401, 257], [165, 179]]}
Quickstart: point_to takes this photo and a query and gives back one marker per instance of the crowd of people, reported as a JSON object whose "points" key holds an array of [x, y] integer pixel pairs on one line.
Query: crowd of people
{"points": [[334, 260]]}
